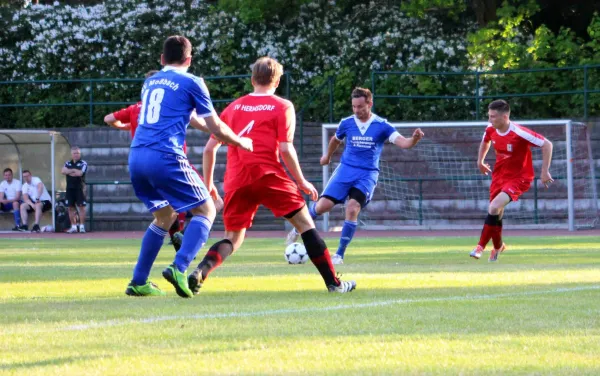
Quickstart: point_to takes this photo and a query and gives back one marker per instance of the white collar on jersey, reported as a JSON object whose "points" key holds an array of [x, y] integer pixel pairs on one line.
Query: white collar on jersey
{"points": [[363, 127], [511, 126], [172, 68], [268, 93]]}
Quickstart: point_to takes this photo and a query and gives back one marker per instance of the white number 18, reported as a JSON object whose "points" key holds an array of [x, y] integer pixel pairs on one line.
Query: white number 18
{"points": [[156, 97]]}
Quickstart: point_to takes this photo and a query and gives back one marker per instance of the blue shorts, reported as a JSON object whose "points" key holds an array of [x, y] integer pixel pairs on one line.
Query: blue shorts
{"points": [[161, 179], [345, 177], [7, 207]]}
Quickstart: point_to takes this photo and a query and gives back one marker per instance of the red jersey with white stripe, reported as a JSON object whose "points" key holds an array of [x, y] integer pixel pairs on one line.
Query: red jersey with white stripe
{"points": [[129, 115], [267, 120], [513, 153]]}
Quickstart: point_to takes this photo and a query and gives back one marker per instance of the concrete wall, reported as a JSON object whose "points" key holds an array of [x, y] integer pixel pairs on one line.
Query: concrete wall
{"points": [[115, 206]]}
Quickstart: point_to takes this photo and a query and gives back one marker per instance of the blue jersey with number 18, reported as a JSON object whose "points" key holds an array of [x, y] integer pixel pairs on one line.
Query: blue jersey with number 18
{"points": [[168, 99]]}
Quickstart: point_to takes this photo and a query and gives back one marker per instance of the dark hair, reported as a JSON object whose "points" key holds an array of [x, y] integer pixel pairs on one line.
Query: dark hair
{"points": [[27, 172], [499, 105], [7, 170], [176, 49], [151, 73], [360, 92], [266, 71]]}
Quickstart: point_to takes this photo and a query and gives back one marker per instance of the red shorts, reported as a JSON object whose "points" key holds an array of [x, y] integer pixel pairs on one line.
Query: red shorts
{"points": [[514, 188], [277, 193]]}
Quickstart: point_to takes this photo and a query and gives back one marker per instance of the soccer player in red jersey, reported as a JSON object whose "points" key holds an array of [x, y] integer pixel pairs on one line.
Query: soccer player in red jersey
{"points": [[256, 178], [513, 171], [126, 119]]}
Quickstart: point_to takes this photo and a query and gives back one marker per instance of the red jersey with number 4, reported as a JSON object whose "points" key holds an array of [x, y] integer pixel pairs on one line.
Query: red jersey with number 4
{"points": [[130, 115], [513, 153], [267, 120]]}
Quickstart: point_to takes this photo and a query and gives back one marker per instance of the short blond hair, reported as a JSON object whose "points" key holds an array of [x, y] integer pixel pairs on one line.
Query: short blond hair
{"points": [[266, 71]]}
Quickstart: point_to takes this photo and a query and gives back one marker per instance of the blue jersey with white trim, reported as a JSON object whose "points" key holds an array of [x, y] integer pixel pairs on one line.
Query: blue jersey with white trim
{"points": [[168, 99], [364, 141]]}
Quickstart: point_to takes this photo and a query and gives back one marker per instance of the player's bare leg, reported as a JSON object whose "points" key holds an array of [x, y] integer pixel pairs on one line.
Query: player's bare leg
{"points": [[73, 219], [24, 216], [353, 208], [81, 209], [318, 252], [38, 216], [322, 206]]}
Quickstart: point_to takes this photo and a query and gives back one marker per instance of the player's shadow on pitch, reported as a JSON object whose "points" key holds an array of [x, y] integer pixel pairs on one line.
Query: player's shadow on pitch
{"points": [[47, 362]]}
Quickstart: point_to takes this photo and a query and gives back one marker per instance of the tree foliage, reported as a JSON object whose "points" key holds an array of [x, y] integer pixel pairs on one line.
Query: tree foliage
{"points": [[344, 39]]}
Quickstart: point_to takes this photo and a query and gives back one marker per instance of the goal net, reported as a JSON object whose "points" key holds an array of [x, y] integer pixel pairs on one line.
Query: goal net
{"points": [[437, 185]]}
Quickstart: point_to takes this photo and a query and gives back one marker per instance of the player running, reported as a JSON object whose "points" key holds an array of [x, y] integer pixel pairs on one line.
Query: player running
{"points": [[356, 176], [513, 171], [252, 179], [126, 119], [161, 175]]}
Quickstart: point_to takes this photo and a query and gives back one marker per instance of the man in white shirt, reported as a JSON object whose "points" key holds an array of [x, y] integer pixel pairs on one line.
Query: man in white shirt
{"points": [[10, 196], [35, 199]]}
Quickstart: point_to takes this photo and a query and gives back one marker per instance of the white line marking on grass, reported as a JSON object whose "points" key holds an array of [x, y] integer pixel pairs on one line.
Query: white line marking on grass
{"points": [[150, 320]]}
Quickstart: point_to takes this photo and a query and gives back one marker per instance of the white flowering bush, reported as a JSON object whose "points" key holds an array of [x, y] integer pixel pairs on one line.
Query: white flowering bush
{"points": [[123, 39]]}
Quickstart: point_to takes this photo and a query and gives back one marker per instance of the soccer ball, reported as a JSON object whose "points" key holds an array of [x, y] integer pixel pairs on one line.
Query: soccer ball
{"points": [[295, 253]]}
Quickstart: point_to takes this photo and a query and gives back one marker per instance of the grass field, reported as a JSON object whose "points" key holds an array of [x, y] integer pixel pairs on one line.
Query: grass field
{"points": [[422, 306]]}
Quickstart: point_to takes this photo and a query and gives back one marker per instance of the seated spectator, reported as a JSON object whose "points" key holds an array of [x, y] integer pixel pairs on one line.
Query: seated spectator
{"points": [[35, 199], [10, 196]]}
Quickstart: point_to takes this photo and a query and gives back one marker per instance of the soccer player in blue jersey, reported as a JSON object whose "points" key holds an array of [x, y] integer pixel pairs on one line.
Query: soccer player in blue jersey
{"points": [[356, 176], [161, 175]]}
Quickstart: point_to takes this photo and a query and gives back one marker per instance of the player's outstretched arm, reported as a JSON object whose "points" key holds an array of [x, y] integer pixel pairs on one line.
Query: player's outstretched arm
{"points": [[546, 159], [407, 143], [225, 134], [334, 143], [484, 147], [290, 158], [113, 122], [209, 157]]}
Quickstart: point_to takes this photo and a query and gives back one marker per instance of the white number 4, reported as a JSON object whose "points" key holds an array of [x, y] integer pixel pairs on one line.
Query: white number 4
{"points": [[246, 129]]}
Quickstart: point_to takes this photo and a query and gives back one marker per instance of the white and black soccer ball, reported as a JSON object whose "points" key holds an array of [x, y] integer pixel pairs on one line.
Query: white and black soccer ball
{"points": [[295, 253]]}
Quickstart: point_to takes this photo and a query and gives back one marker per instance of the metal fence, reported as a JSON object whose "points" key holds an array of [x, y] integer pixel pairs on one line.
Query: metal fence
{"points": [[91, 89], [575, 87]]}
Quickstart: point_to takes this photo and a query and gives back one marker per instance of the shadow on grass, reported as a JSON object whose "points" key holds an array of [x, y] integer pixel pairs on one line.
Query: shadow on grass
{"points": [[47, 362], [382, 263]]}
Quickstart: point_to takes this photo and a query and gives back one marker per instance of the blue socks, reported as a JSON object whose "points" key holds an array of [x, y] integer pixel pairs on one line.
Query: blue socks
{"points": [[17, 215], [195, 237], [151, 243], [312, 211], [347, 234]]}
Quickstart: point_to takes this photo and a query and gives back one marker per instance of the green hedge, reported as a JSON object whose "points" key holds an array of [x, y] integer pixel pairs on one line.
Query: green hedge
{"points": [[122, 39]]}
